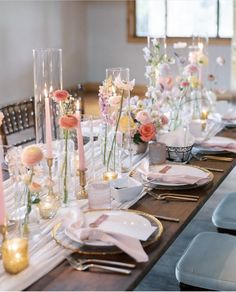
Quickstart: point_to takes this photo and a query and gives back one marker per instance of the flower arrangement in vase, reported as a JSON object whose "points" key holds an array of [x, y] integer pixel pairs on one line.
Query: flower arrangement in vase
{"points": [[67, 122], [113, 100]]}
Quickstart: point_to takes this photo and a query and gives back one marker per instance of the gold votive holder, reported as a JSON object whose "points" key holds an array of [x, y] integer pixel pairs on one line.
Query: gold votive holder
{"points": [[48, 206], [15, 255], [82, 193], [110, 175]]}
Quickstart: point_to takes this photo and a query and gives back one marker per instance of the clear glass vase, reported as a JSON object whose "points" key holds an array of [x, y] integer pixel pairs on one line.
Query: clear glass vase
{"points": [[47, 79], [66, 170], [116, 138]]}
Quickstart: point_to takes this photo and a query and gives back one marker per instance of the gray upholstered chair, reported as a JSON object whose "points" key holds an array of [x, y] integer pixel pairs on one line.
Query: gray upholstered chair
{"points": [[224, 216], [209, 263]]}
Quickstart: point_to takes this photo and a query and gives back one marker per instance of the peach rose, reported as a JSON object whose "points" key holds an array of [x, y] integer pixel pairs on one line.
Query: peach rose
{"points": [[147, 132], [61, 95], [143, 117], [68, 122], [31, 155]]}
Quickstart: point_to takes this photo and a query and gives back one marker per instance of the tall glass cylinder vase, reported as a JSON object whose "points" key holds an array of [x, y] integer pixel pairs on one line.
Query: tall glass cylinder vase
{"points": [[47, 79], [115, 109]]}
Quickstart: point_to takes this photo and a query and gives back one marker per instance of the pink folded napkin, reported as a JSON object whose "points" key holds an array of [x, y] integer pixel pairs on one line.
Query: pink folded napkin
{"points": [[230, 116], [174, 174], [222, 143], [129, 245], [178, 179]]}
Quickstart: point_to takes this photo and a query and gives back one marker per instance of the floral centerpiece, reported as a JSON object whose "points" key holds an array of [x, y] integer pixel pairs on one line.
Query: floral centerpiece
{"points": [[67, 122], [146, 120], [114, 108]]}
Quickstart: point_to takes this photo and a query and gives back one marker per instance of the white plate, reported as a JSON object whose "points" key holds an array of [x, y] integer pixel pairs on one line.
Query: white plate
{"points": [[118, 221], [176, 169]]}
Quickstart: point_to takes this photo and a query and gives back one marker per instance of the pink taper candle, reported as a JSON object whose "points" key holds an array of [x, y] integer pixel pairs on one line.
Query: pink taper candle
{"points": [[80, 145], [48, 128], [2, 203]]}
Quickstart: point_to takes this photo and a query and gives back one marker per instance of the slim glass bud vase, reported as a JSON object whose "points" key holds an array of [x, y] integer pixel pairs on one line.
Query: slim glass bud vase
{"points": [[47, 79], [114, 100]]}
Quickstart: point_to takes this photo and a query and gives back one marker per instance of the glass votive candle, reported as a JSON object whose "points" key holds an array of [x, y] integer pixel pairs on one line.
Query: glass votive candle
{"points": [[48, 206], [157, 153], [99, 195], [110, 175], [15, 255]]}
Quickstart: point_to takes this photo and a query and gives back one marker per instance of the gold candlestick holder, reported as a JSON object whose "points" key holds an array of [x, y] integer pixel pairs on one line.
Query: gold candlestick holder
{"points": [[49, 203], [3, 231], [82, 194]]}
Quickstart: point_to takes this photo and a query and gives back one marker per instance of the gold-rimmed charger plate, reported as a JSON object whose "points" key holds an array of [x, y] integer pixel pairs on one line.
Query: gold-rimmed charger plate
{"points": [[167, 186], [60, 237]]}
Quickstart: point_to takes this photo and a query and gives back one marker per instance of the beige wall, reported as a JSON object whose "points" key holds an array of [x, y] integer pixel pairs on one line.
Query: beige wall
{"points": [[108, 46], [92, 35], [25, 25]]}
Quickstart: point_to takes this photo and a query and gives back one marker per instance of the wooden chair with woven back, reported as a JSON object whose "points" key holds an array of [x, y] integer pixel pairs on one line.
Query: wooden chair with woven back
{"points": [[18, 126]]}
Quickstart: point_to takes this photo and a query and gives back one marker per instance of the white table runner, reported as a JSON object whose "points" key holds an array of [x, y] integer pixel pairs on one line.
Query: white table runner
{"points": [[45, 253]]}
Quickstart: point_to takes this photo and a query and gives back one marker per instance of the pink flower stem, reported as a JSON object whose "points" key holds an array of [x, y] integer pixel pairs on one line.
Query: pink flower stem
{"points": [[29, 206]]}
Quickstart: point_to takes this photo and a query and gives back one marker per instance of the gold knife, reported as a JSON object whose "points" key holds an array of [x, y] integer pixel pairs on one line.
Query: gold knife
{"points": [[214, 169], [219, 158]]}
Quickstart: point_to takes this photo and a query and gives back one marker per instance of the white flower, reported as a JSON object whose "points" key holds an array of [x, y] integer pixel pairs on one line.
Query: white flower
{"points": [[154, 114], [140, 104], [1, 118], [220, 61], [114, 100], [129, 85], [146, 51]]}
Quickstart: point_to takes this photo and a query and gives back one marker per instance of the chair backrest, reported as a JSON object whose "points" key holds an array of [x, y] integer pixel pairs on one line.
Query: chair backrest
{"points": [[18, 125]]}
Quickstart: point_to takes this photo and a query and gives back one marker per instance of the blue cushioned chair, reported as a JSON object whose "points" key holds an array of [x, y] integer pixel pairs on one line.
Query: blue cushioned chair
{"points": [[209, 262], [224, 216]]}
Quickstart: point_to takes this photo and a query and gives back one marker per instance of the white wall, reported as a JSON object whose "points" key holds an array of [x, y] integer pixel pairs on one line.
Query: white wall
{"points": [[108, 46], [25, 25], [92, 35]]}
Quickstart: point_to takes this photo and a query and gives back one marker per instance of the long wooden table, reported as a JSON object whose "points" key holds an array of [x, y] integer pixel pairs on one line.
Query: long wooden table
{"points": [[64, 277]]}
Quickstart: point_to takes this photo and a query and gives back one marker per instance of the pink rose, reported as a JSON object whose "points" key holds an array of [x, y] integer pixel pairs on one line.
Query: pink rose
{"points": [[143, 117], [68, 122], [164, 120], [31, 155], [190, 69], [167, 82], [61, 95], [184, 84], [147, 132]]}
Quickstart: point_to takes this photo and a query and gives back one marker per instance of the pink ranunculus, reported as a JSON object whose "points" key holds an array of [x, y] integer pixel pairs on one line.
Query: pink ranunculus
{"points": [[143, 117], [190, 69], [164, 120], [31, 155], [68, 122], [60, 95], [147, 132]]}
